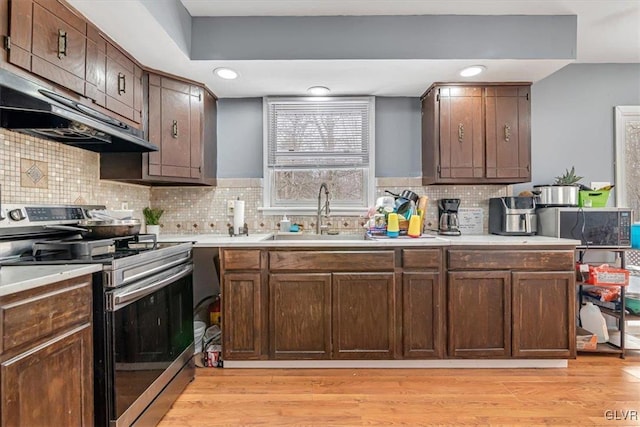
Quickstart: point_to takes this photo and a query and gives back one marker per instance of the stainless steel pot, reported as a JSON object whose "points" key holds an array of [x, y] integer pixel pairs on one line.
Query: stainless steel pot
{"points": [[556, 195], [103, 229]]}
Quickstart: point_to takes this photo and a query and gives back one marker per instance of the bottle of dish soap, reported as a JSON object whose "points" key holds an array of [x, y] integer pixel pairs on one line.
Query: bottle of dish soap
{"points": [[285, 224]]}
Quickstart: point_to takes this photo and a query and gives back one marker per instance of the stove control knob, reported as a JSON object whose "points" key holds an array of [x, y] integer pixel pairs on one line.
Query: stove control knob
{"points": [[2, 216], [17, 214]]}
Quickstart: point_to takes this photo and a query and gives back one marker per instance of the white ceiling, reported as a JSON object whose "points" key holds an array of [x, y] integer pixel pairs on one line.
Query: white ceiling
{"points": [[608, 32]]}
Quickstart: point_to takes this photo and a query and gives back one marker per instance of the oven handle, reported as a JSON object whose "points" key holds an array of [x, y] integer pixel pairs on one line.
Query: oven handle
{"points": [[117, 300]]}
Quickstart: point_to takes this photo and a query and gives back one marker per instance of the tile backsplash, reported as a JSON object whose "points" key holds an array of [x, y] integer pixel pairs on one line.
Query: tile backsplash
{"points": [[33, 170]]}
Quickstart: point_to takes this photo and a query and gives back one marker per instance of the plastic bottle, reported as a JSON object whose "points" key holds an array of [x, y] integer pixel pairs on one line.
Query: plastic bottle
{"points": [[593, 321], [214, 312], [285, 224], [393, 226]]}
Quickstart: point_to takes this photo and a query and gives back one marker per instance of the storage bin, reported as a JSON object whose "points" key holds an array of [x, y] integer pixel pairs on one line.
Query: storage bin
{"points": [[593, 199], [635, 236]]}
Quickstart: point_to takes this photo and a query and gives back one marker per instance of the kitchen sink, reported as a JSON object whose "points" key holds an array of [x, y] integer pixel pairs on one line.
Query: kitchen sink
{"points": [[302, 236]]}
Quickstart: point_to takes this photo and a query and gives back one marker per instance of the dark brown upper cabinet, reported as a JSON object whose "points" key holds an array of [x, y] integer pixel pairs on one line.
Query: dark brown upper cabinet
{"points": [[182, 123], [113, 79], [50, 40], [476, 133]]}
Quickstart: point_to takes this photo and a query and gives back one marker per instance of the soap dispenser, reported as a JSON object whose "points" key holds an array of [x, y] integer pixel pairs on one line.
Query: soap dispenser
{"points": [[285, 224]]}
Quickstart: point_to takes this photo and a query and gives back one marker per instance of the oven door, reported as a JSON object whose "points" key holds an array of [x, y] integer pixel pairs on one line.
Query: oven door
{"points": [[149, 327]]}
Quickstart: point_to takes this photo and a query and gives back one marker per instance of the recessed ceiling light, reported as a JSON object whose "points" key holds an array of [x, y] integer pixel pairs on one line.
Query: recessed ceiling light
{"points": [[318, 90], [474, 70], [225, 73]]}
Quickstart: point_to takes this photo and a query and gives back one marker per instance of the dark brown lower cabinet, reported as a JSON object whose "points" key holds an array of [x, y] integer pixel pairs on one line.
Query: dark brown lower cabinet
{"points": [[46, 355], [543, 312], [300, 316], [363, 315], [422, 317], [50, 385], [479, 306], [241, 318]]}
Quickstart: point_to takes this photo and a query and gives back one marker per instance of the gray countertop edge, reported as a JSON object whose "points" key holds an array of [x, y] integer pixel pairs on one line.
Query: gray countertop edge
{"points": [[21, 278], [263, 240]]}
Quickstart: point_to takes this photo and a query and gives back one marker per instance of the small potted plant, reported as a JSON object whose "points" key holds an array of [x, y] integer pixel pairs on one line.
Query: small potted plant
{"points": [[152, 219]]}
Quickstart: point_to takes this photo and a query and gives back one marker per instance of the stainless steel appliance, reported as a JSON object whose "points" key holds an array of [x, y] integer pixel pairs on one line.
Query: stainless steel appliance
{"points": [[142, 302], [512, 216], [35, 110], [594, 227], [448, 224], [557, 195]]}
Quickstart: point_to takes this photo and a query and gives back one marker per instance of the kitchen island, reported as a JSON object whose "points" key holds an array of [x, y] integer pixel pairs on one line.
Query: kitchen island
{"points": [[465, 301]]}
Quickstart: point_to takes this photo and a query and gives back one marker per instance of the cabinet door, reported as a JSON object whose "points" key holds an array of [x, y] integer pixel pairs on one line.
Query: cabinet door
{"points": [[96, 67], [59, 46], [508, 132], [363, 315], [120, 87], [241, 316], [461, 132], [422, 320], [170, 111], [20, 29], [300, 316], [51, 386], [479, 313], [544, 314]]}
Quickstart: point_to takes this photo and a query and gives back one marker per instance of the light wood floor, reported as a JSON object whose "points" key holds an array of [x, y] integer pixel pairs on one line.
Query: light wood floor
{"points": [[598, 390]]}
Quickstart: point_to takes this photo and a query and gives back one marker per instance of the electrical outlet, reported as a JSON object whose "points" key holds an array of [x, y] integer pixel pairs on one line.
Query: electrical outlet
{"points": [[230, 206]]}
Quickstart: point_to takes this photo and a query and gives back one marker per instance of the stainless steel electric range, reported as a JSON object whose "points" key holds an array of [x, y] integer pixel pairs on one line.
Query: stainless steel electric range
{"points": [[142, 307]]}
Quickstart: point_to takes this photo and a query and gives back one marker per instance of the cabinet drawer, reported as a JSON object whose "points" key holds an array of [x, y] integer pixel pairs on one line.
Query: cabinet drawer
{"points": [[421, 258], [513, 259], [332, 261], [41, 314], [241, 260]]}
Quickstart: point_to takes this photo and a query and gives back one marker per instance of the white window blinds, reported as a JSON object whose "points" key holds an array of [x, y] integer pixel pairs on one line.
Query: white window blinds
{"points": [[319, 133], [313, 140]]}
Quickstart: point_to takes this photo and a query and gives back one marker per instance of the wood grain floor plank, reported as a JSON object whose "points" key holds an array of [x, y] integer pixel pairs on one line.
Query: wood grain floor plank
{"points": [[592, 391]]}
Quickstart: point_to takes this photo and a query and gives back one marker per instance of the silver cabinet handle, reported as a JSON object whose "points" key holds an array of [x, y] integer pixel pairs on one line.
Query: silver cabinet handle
{"points": [[174, 129], [122, 83], [507, 132], [62, 43], [460, 132]]}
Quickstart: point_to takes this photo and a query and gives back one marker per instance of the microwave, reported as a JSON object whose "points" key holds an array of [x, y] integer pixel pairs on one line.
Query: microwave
{"points": [[594, 227]]}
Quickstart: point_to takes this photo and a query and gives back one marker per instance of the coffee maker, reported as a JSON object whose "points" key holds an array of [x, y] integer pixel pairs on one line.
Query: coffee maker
{"points": [[448, 214]]}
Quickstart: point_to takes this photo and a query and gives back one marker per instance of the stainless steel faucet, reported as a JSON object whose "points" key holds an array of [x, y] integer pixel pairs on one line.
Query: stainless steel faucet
{"points": [[321, 228]]}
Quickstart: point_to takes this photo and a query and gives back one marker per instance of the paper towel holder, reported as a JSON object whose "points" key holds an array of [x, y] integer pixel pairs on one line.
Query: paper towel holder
{"points": [[244, 232]]}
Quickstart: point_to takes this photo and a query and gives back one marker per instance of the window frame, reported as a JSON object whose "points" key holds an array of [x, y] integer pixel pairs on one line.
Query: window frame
{"points": [[268, 209]]}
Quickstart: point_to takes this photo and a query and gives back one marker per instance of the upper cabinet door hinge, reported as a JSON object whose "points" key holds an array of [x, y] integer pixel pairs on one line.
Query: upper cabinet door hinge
{"points": [[7, 42]]}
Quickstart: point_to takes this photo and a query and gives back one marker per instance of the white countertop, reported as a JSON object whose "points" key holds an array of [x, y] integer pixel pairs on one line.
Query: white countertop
{"points": [[20, 278], [265, 240]]}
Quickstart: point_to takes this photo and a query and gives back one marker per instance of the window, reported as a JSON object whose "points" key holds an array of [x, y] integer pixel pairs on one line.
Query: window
{"points": [[309, 141], [627, 140]]}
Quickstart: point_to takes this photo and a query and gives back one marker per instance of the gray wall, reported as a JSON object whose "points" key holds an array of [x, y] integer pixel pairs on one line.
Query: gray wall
{"points": [[240, 137], [571, 121], [398, 138], [384, 37]]}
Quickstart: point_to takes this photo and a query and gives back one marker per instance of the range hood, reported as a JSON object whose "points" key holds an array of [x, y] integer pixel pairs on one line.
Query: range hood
{"points": [[29, 108]]}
